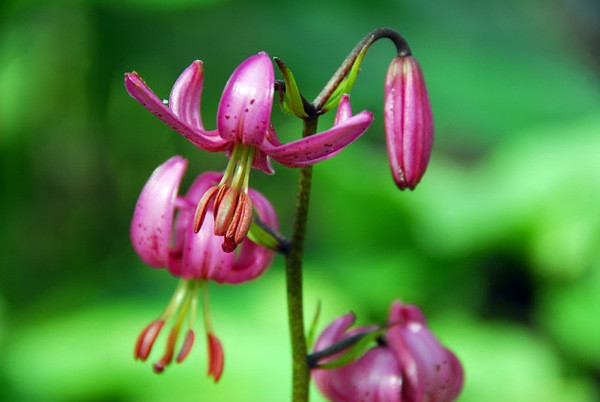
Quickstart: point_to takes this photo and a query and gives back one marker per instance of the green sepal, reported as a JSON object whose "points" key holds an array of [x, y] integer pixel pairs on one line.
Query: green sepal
{"points": [[347, 83], [291, 100], [310, 337], [354, 352], [261, 237]]}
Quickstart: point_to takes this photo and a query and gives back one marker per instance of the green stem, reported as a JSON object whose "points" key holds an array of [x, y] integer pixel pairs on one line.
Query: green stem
{"points": [[293, 269], [402, 49]]}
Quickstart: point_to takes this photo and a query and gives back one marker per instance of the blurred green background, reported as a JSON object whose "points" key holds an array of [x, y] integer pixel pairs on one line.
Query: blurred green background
{"points": [[499, 244]]}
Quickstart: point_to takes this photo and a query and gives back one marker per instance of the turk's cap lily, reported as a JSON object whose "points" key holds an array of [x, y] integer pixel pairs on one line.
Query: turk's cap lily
{"points": [[408, 121], [162, 233], [408, 364], [161, 240], [243, 116], [245, 132]]}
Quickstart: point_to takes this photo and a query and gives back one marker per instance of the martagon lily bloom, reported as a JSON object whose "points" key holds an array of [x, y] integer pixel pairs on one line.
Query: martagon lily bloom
{"points": [[163, 240], [408, 121], [245, 132], [409, 364]]}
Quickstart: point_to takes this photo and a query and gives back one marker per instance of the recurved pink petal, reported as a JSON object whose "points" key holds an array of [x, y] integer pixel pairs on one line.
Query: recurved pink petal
{"points": [[318, 147], [335, 332], [408, 121], [184, 100], [430, 371], [261, 161], [245, 107], [344, 111], [208, 141], [153, 217], [271, 136], [253, 259]]}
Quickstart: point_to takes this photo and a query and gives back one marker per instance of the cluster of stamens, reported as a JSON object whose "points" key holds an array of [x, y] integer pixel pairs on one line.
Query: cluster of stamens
{"points": [[184, 300], [232, 204]]}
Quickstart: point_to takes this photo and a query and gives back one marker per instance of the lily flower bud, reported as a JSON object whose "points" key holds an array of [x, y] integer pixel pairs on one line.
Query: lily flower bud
{"points": [[408, 121], [407, 363]]}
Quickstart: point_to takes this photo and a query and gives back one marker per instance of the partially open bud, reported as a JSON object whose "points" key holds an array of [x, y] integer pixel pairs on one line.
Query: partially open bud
{"points": [[407, 363], [408, 121]]}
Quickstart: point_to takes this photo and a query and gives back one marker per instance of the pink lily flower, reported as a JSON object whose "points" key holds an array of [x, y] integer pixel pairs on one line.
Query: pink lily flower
{"points": [[161, 240], [408, 365], [408, 121], [245, 132]]}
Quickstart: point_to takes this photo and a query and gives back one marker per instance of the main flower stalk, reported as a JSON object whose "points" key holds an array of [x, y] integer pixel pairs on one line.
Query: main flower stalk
{"points": [[293, 270]]}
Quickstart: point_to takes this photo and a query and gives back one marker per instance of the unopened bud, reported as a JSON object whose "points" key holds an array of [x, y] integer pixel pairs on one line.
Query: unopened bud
{"points": [[408, 121]]}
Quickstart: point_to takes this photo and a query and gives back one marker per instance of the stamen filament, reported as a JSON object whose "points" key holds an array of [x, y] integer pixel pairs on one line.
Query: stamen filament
{"points": [[174, 333], [178, 296], [241, 168], [229, 170], [189, 336], [248, 167], [194, 303], [206, 308]]}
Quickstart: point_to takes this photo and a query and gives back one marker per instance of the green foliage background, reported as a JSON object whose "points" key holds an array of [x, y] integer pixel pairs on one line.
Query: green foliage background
{"points": [[499, 244]]}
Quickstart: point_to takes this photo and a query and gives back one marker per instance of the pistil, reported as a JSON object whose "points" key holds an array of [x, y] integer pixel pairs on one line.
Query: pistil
{"points": [[189, 336]]}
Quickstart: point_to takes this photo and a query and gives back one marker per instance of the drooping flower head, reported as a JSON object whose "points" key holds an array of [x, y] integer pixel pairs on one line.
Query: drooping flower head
{"points": [[408, 364], [162, 233], [245, 132], [408, 121]]}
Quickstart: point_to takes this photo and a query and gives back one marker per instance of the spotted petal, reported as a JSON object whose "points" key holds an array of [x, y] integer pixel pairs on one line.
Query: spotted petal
{"points": [[318, 147], [208, 141], [153, 217], [245, 108]]}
